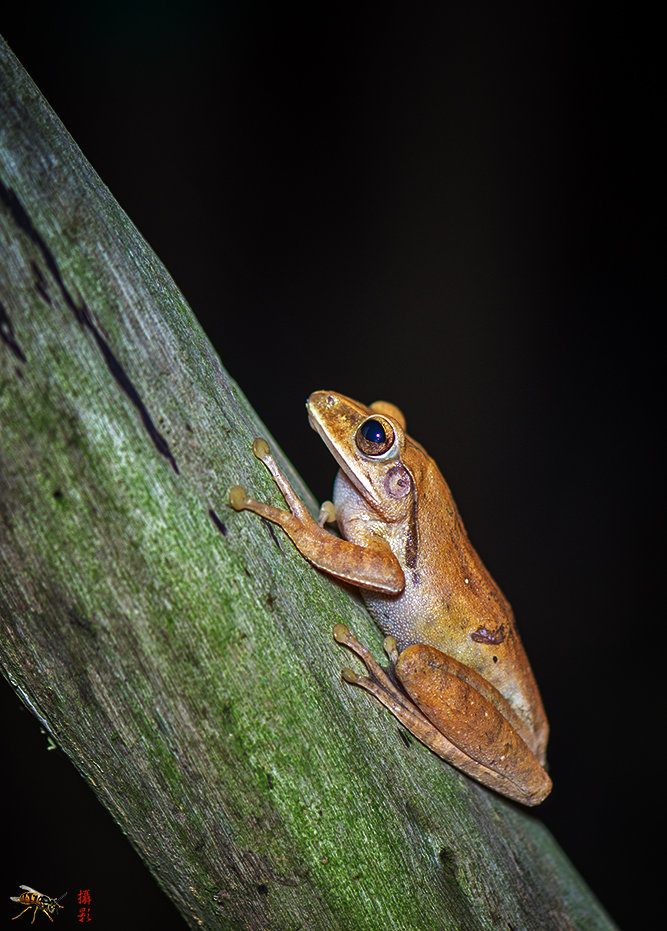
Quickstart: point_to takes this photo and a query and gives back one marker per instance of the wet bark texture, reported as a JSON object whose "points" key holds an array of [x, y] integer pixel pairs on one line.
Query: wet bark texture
{"points": [[180, 653]]}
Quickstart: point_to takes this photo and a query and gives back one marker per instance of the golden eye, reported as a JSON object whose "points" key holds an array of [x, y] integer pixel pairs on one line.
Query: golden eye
{"points": [[375, 437]]}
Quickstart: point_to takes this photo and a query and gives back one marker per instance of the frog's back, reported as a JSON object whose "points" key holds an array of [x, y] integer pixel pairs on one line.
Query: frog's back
{"points": [[452, 603]]}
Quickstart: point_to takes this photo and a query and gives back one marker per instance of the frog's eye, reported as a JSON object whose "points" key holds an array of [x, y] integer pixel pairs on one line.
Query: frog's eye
{"points": [[375, 437]]}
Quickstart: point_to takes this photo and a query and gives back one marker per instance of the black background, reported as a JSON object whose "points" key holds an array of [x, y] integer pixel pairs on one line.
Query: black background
{"points": [[449, 208]]}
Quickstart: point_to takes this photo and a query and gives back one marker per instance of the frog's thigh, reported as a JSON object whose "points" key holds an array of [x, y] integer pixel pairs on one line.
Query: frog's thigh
{"points": [[468, 719]]}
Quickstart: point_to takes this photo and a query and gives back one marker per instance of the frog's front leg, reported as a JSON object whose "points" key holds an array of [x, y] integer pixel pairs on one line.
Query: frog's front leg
{"points": [[454, 714], [371, 566]]}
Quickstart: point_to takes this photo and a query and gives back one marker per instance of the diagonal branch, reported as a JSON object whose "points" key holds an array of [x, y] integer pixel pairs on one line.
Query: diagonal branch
{"points": [[182, 654]]}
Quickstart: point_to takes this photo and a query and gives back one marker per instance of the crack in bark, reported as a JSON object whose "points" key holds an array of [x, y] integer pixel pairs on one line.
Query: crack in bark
{"points": [[84, 317]]}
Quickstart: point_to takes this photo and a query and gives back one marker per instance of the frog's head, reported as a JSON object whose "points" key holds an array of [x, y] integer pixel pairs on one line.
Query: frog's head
{"points": [[368, 443]]}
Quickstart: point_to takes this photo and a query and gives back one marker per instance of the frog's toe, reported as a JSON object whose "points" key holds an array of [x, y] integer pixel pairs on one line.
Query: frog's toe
{"points": [[350, 676], [391, 649], [341, 633], [238, 498], [261, 448], [327, 513]]}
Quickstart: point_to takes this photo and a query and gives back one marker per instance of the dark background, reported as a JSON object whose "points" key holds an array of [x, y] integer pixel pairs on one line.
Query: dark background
{"points": [[449, 209]]}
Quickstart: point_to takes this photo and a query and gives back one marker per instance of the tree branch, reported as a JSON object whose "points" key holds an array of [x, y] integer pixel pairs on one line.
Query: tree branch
{"points": [[181, 654]]}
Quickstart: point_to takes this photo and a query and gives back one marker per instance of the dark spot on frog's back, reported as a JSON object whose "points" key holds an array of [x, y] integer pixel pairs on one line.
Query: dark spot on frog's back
{"points": [[487, 635]]}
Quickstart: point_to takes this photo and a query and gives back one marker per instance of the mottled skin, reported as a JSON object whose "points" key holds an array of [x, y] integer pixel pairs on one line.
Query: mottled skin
{"points": [[468, 691]]}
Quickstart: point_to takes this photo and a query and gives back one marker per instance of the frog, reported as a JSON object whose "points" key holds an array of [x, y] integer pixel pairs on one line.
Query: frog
{"points": [[458, 678]]}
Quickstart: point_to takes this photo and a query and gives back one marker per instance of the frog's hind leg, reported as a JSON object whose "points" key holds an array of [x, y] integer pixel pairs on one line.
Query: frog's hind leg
{"points": [[396, 701], [414, 710], [477, 719]]}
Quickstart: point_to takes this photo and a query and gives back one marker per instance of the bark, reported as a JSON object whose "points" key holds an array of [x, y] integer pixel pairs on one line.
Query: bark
{"points": [[180, 653]]}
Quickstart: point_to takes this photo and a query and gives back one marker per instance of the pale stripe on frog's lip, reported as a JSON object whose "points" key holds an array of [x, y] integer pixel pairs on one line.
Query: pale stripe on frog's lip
{"points": [[318, 405]]}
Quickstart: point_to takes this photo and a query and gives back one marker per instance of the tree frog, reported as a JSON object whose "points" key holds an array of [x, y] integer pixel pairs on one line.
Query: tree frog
{"points": [[460, 680]]}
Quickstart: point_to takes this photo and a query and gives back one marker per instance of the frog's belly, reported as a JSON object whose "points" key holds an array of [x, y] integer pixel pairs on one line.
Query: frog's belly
{"points": [[417, 617]]}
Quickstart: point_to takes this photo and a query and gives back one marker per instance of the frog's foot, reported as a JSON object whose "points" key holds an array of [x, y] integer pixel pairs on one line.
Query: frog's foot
{"points": [[297, 515], [380, 685], [372, 566]]}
